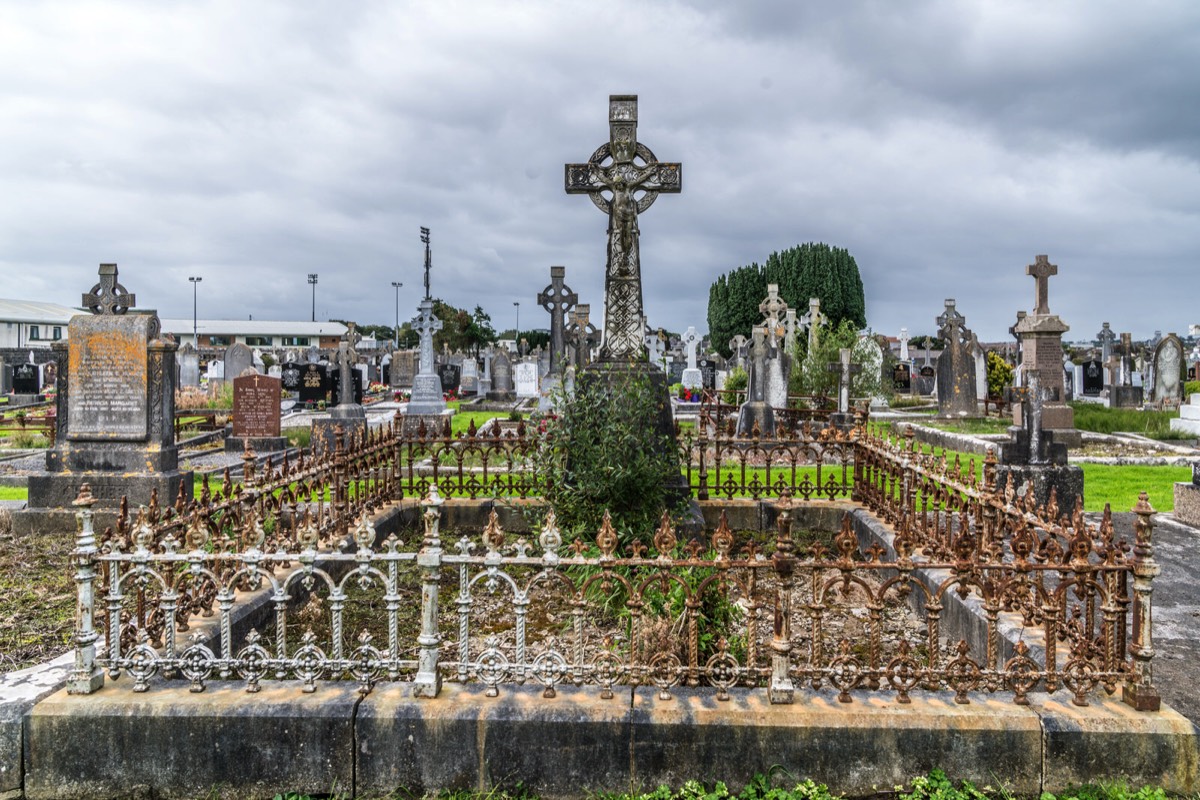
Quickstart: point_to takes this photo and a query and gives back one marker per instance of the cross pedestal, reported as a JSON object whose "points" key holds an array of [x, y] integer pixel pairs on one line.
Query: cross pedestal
{"points": [[427, 386]]}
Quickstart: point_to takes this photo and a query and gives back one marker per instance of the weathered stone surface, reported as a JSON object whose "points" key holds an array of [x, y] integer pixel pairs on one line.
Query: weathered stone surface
{"points": [[108, 377], [1187, 503], [221, 742], [858, 748]]}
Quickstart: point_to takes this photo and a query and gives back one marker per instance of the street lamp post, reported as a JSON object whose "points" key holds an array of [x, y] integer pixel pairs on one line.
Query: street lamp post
{"points": [[312, 281], [195, 327], [517, 335], [396, 285]]}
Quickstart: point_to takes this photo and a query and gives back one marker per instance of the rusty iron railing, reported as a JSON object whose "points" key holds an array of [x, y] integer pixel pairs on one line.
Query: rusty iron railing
{"points": [[726, 610]]}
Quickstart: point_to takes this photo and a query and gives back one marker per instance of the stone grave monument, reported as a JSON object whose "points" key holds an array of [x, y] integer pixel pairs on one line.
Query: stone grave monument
{"points": [[846, 370], [238, 358], [426, 397], [469, 383], [450, 376], [1106, 337], [582, 336], [256, 415], [956, 387], [502, 377], [1168, 364], [691, 377], [902, 378], [1041, 349], [403, 369], [525, 378], [1092, 374], [1033, 457], [756, 416], [1187, 495], [26, 382], [623, 178], [348, 413], [779, 361], [189, 365], [1124, 394], [116, 412]]}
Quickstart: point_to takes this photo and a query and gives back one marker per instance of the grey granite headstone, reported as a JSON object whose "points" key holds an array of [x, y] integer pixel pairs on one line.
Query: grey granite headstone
{"points": [[404, 368], [237, 358], [469, 383], [955, 367], [189, 365], [502, 378]]}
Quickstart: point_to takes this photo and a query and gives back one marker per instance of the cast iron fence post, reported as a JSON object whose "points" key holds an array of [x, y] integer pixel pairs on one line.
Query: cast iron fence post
{"points": [[781, 689], [1139, 691], [86, 676], [428, 681]]}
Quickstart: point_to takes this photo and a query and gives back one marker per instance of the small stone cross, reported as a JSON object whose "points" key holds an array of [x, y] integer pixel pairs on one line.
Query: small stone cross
{"points": [[812, 321], [558, 300], [691, 340], [904, 344], [1041, 270], [738, 347], [1106, 337], [347, 357], [108, 297], [791, 325], [426, 324], [845, 372]]}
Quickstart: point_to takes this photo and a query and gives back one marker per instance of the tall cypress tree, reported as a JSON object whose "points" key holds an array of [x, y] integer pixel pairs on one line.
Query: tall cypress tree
{"points": [[804, 271]]}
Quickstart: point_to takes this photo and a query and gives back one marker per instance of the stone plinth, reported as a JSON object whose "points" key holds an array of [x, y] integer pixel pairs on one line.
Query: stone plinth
{"points": [[1187, 503], [350, 417], [1189, 417], [1125, 397], [1041, 349]]}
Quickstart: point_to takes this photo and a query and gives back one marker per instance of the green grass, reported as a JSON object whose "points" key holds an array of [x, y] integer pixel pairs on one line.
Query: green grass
{"points": [[1120, 486], [14, 493], [1101, 419], [974, 425]]}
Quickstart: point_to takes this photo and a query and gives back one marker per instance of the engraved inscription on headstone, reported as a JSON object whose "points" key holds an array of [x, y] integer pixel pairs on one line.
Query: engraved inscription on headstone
{"points": [[290, 377], [450, 376], [256, 406], [107, 377], [1093, 378], [314, 384]]}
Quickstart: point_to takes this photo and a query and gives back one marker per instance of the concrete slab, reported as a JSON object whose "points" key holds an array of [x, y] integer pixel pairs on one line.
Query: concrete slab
{"points": [[223, 742], [861, 748]]}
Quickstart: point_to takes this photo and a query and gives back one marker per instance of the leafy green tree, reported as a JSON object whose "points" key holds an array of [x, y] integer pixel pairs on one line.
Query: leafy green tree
{"points": [[999, 374], [802, 272], [811, 374]]}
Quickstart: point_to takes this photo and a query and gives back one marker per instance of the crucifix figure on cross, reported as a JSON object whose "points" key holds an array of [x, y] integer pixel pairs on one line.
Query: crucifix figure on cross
{"points": [[623, 178], [1041, 270], [558, 300], [108, 297]]}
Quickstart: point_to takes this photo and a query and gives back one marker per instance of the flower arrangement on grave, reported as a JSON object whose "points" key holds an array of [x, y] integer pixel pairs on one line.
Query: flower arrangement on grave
{"points": [[402, 395]]}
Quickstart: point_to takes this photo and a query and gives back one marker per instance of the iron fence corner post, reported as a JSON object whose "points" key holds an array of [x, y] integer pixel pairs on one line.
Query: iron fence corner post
{"points": [[781, 689], [1139, 691], [340, 490], [86, 677], [428, 680]]}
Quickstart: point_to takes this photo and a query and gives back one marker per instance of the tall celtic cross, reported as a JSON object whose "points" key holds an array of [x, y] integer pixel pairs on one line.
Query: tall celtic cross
{"points": [[1106, 337], [771, 309], [623, 178], [1041, 270], [426, 324], [950, 323], [108, 297], [558, 299]]}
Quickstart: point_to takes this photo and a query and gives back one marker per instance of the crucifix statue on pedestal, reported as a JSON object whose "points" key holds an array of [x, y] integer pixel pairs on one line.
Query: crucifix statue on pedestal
{"points": [[623, 178]]}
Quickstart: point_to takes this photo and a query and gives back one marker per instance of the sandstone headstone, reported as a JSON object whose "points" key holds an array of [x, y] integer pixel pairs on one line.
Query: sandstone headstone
{"points": [[1168, 362]]}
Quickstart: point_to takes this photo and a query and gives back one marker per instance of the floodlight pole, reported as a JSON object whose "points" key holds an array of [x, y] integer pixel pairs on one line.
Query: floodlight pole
{"points": [[312, 281], [195, 326], [396, 285]]}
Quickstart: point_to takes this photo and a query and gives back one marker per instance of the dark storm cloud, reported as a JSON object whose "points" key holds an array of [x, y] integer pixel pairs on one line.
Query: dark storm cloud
{"points": [[944, 144]]}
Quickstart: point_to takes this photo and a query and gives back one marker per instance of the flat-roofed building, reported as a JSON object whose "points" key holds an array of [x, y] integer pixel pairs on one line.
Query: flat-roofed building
{"points": [[257, 334], [26, 323]]}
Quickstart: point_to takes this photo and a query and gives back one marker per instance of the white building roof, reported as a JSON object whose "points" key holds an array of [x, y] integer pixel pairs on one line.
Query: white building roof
{"points": [[30, 311], [252, 327]]}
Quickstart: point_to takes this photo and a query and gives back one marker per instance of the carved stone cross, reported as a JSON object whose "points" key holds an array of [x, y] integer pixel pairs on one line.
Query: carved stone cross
{"points": [[582, 334], [772, 308], [623, 178], [426, 324], [950, 322], [109, 297], [1041, 270], [904, 345], [845, 371], [558, 300], [738, 347], [812, 321], [1106, 337], [347, 357], [791, 324]]}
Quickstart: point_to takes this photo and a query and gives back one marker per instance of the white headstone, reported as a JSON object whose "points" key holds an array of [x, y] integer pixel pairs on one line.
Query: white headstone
{"points": [[692, 377], [904, 345], [525, 376]]}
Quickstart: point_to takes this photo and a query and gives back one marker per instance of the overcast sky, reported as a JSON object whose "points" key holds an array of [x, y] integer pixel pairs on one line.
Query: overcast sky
{"points": [[945, 144]]}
